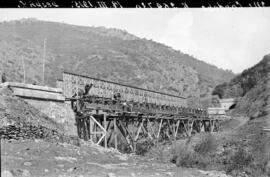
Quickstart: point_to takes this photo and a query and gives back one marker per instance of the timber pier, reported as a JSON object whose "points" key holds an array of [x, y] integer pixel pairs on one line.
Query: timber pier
{"points": [[135, 114]]}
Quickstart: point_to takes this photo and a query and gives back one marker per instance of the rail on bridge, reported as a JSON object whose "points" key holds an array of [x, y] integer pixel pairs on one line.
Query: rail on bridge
{"points": [[136, 115]]}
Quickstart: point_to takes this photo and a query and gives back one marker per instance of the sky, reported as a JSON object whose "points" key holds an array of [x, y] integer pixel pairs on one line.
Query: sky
{"points": [[230, 38]]}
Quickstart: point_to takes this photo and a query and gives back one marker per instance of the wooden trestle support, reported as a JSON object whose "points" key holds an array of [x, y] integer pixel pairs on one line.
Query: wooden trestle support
{"points": [[112, 110], [104, 128]]}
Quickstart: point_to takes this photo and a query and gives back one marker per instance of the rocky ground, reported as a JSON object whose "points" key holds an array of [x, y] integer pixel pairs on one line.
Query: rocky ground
{"points": [[41, 158], [33, 145]]}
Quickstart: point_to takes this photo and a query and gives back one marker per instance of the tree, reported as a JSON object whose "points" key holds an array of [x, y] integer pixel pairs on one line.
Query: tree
{"points": [[220, 90]]}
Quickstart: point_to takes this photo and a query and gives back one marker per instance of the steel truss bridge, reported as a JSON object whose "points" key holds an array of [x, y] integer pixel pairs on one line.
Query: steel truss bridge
{"points": [[138, 114]]}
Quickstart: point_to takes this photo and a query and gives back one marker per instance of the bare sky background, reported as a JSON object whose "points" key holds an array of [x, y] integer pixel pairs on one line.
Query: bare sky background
{"points": [[232, 39]]}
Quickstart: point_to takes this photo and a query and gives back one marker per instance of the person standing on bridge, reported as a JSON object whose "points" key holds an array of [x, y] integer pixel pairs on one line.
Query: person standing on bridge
{"points": [[79, 95], [87, 89], [78, 107], [117, 96], [3, 78]]}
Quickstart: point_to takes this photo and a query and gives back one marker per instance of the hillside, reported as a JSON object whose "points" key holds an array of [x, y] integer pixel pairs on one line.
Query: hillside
{"points": [[252, 86], [110, 54]]}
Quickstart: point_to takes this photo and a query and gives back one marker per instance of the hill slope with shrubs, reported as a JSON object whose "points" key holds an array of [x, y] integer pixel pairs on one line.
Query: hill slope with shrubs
{"points": [[252, 87], [110, 54]]}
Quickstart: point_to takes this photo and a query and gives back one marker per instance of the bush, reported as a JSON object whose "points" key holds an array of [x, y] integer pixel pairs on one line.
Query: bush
{"points": [[208, 144], [220, 90], [186, 156], [192, 159], [159, 154], [243, 162], [240, 161], [143, 147], [123, 147]]}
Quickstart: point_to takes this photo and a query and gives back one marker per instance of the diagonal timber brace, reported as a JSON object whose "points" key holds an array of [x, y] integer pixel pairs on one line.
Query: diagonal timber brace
{"points": [[103, 130]]}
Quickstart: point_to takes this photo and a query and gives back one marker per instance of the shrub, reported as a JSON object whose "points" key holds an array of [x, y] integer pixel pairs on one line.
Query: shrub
{"points": [[192, 159], [220, 90], [239, 161], [184, 155], [143, 147], [159, 154], [206, 145], [123, 147]]}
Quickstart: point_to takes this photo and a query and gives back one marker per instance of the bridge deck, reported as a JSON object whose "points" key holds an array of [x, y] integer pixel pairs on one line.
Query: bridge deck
{"points": [[103, 121]]}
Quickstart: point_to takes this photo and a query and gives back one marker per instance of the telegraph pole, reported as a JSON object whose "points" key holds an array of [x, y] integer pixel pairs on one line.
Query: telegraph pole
{"points": [[23, 70], [4, 60], [2, 72], [44, 56]]}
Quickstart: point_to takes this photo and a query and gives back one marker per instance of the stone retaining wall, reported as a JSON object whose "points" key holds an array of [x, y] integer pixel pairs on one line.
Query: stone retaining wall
{"points": [[47, 100]]}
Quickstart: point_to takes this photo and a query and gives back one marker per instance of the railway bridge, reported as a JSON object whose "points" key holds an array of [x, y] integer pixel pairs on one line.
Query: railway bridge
{"points": [[106, 110]]}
